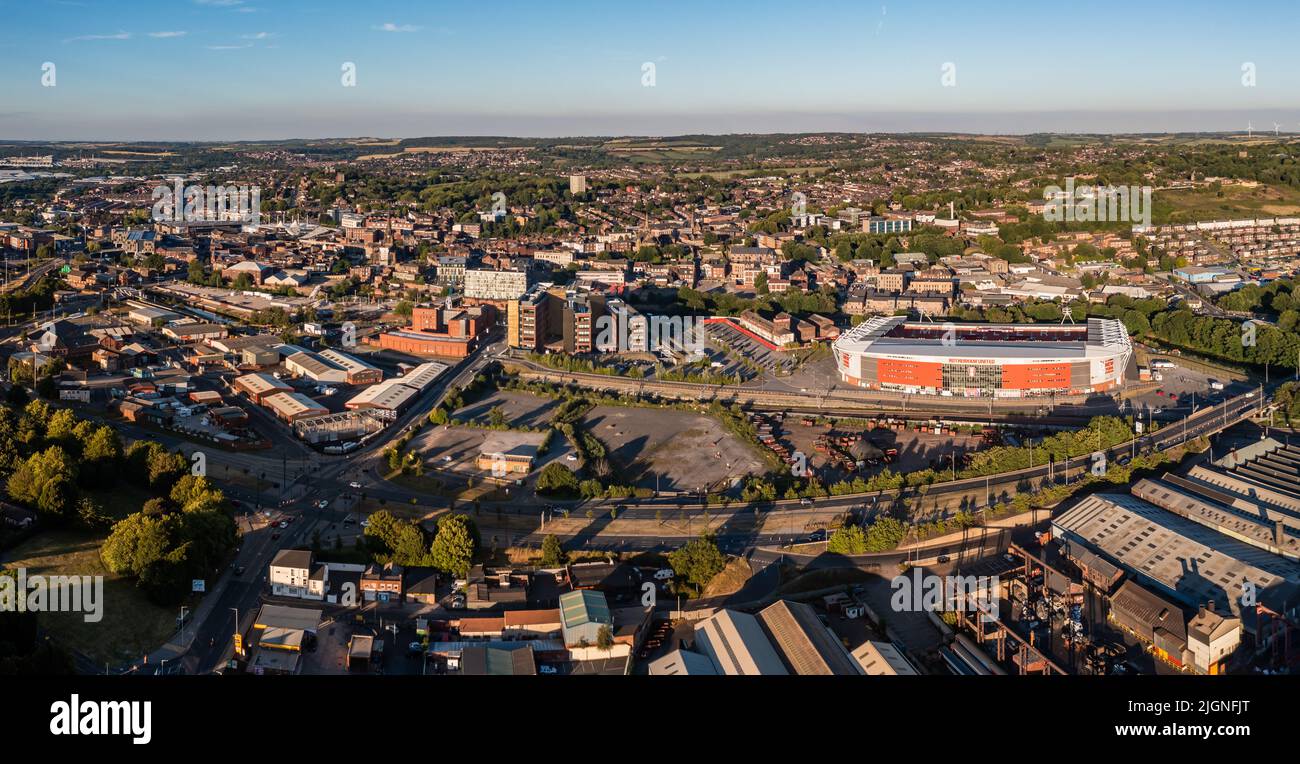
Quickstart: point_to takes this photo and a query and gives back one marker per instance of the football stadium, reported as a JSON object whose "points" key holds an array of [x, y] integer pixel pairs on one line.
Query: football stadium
{"points": [[983, 360]]}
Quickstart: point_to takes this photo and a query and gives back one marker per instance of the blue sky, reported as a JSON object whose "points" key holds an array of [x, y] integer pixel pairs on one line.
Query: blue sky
{"points": [[249, 69]]}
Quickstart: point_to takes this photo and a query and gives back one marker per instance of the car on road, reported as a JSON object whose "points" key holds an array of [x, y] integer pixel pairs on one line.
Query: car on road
{"points": [[239, 571], [664, 574], [544, 669], [354, 484], [571, 457], [818, 535], [275, 537], [805, 502], [415, 648], [365, 523], [283, 524], [943, 558], [323, 503]]}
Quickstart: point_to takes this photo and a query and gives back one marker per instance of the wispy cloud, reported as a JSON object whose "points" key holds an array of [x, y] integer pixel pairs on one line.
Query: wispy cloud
{"points": [[257, 36], [391, 27], [219, 3], [85, 37], [229, 47], [161, 35]]}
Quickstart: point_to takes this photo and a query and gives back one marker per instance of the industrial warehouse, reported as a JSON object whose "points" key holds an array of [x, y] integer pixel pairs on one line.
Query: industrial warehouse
{"points": [[984, 360], [1198, 569]]}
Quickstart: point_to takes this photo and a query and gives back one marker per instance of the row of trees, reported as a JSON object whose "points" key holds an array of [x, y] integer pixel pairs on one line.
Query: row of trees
{"points": [[883, 534], [1257, 342], [406, 543]]}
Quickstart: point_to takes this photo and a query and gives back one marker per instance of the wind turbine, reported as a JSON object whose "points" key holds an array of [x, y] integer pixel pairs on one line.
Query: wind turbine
{"points": [[1250, 129], [1276, 127]]}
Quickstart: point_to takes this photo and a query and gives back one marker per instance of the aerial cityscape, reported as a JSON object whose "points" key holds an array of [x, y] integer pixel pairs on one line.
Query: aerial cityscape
{"points": [[290, 391]]}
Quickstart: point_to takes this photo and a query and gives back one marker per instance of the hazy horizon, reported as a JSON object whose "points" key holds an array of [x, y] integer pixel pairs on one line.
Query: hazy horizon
{"points": [[1073, 123]]}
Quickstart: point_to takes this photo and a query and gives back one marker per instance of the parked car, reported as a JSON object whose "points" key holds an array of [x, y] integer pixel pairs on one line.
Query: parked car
{"points": [[664, 574], [354, 484]]}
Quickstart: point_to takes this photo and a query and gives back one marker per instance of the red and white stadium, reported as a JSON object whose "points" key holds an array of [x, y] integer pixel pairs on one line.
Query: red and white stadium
{"points": [[981, 360]]}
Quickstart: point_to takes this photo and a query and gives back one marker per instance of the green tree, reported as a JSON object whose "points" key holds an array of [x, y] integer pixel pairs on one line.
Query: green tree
{"points": [[453, 545], [135, 542], [552, 553], [847, 540], [557, 479], [45, 481], [698, 561]]}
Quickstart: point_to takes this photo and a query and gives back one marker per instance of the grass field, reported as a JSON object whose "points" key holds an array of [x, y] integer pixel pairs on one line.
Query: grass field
{"points": [[1231, 201], [131, 624]]}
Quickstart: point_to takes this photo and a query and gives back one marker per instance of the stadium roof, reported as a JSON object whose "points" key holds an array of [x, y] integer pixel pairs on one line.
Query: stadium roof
{"points": [[887, 335]]}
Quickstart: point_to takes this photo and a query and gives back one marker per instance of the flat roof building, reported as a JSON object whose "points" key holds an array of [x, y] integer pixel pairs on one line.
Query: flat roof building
{"points": [[292, 407], [332, 366], [682, 663], [882, 659], [259, 387], [386, 398], [1190, 562]]}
